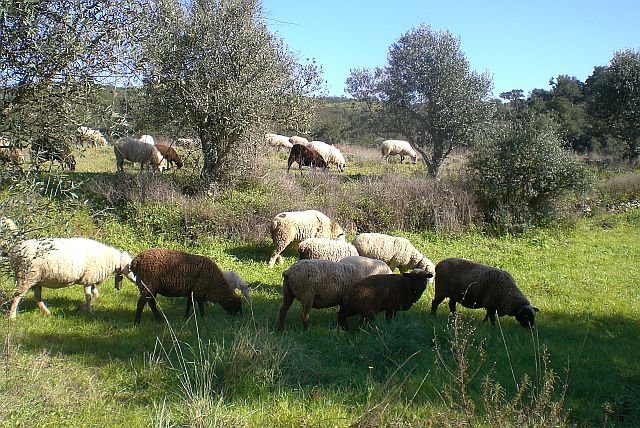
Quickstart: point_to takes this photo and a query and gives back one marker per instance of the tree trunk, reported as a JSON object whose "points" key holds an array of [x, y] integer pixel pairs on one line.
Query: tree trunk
{"points": [[215, 171]]}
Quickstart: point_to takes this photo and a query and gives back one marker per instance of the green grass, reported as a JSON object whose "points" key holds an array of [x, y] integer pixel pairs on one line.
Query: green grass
{"points": [[79, 369]]}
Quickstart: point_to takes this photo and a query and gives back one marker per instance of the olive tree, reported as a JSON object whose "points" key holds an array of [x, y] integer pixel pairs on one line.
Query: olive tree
{"points": [[54, 56], [214, 66], [426, 93], [613, 94]]}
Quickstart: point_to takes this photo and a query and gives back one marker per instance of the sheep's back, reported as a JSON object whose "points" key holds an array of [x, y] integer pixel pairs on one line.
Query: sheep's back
{"points": [[322, 282]]}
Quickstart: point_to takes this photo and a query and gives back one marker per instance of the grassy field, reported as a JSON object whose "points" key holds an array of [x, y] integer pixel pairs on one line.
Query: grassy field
{"points": [[80, 369]]}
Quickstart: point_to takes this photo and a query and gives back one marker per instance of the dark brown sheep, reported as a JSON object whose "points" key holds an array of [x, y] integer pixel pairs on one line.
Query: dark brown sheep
{"points": [[305, 156], [377, 293], [173, 273], [170, 154], [475, 285]]}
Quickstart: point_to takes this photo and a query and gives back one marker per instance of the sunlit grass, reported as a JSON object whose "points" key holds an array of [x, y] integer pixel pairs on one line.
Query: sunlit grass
{"points": [[98, 369]]}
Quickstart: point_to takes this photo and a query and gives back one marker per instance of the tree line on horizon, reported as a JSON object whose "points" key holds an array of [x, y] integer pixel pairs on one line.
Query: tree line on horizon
{"points": [[185, 67]]}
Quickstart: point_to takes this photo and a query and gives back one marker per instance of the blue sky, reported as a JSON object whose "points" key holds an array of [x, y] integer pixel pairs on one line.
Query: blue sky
{"points": [[521, 43]]}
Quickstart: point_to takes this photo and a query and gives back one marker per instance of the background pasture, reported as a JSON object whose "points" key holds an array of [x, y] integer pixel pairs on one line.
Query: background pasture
{"points": [[81, 369]]}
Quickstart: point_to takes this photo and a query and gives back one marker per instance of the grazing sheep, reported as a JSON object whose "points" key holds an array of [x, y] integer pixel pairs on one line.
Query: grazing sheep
{"points": [[326, 249], [475, 285], [170, 154], [316, 284], [398, 147], [44, 149], [329, 153], [377, 293], [295, 226], [11, 155], [61, 262], [173, 273], [148, 139], [298, 140], [397, 252], [237, 283], [90, 136], [367, 266], [305, 156], [277, 141], [134, 150]]}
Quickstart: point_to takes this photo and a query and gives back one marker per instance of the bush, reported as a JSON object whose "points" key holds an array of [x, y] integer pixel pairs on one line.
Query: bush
{"points": [[521, 176]]}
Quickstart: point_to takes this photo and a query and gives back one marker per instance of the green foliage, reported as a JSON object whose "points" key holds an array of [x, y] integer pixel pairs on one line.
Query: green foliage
{"points": [[614, 100], [427, 93], [213, 65], [521, 174], [52, 55]]}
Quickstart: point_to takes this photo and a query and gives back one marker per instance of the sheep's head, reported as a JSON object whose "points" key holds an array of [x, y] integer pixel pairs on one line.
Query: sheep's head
{"points": [[124, 269], [428, 266], [526, 316], [232, 304], [336, 231]]}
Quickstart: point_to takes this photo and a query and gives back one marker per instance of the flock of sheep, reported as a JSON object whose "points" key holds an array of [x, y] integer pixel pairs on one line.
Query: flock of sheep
{"points": [[319, 154], [358, 276]]}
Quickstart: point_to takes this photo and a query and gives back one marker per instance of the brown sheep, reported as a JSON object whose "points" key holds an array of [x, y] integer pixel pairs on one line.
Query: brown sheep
{"points": [[170, 154], [475, 285], [377, 293], [173, 273], [305, 156]]}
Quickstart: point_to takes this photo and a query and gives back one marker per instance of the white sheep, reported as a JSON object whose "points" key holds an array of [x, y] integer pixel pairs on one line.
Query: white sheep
{"points": [[395, 251], [330, 154], [397, 147], [134, 150], [148, 139], [61, 262], [90, 136], [316, 284], [295, 226], [298, 140], [277, 141], [236, 282], [327, 249], [367, 266]]}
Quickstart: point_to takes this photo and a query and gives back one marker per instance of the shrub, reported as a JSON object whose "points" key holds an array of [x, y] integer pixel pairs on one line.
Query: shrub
{"points": [[521, 175]]}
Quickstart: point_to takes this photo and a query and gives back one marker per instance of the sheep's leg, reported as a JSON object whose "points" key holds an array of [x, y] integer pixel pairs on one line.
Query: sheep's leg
{"points": [[37, 295], [187, 312], [343, 314], [435, 303], [452, 305], [88, 295], [275, 256], [287, 300], [306, 308], [154, 308], [141, 302], [201, 307], [22, 290], [390, 314], [491, 314], [94, 293]]}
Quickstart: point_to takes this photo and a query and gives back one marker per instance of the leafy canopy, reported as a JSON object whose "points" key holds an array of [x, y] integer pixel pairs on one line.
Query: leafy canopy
{"points": [[214, 66], [426, 93]]}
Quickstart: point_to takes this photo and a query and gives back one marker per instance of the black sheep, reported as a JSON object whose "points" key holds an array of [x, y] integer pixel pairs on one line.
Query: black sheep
{"points": [[475, 285], [305, 156], [377, 293]]}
